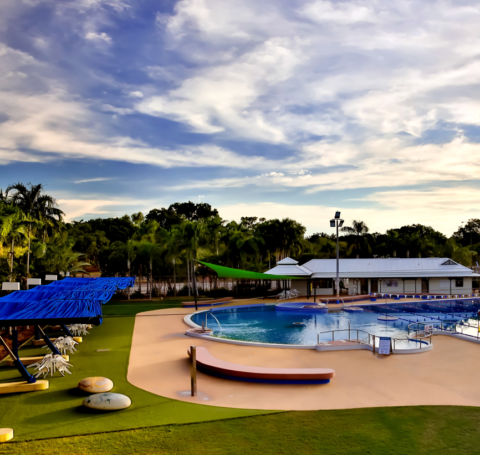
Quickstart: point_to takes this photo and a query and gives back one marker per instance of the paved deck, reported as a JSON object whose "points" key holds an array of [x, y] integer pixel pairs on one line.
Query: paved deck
{"points": [[447, 375]]}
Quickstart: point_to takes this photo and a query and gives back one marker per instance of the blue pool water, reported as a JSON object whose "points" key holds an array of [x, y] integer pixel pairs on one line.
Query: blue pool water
{"points": [[265, 324]]}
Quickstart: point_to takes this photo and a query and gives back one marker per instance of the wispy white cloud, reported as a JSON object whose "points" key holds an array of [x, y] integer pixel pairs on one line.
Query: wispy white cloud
{"points": [[98, 179], [94, 36]]}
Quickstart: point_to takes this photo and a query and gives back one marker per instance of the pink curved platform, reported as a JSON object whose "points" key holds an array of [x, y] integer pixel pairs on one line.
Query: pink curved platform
{"points": [[209, 364]]}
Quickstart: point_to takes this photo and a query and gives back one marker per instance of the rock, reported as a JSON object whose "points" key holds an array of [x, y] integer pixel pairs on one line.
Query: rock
{"points": [[107, 401], [96, 385]]}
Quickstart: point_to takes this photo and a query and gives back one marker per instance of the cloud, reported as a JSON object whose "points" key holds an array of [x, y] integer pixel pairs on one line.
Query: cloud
{"points": [[93, 36], [308, 95], [136, 94], [441, 208], [98, 179], [116, 110]]}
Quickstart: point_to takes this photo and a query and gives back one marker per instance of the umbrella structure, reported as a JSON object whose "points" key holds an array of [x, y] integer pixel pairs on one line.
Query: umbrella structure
{"points": [[69, 301]]}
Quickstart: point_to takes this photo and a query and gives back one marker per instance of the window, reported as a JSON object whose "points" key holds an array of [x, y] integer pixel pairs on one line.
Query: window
{"points": [[449, 262], [459, 282], [323, 283]]}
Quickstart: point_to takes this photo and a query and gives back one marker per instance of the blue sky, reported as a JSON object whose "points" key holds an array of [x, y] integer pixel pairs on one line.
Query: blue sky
{"points": [[272, 108]]}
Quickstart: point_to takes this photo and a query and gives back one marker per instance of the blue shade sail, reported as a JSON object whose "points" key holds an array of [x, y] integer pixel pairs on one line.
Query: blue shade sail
{"points": [[72, 300]]}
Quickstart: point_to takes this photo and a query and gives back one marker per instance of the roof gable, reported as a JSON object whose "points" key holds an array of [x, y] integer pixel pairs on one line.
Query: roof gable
{"points": [[287, 261]]}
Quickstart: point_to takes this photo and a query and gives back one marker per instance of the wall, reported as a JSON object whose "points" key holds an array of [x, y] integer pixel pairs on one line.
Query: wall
{"points": [[442, 286], [301, 287]]}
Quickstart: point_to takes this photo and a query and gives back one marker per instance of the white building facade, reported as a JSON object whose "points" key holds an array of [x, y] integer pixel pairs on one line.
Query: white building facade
{"points": [[392, 276]]}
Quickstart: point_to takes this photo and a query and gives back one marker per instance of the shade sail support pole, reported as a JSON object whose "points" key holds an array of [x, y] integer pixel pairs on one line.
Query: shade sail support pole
{"points": [[20, 366], [66, 330], [48, 342]]}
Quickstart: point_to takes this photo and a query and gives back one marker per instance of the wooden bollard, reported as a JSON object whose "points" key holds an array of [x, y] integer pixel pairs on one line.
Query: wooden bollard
{"points": [[193, 351]]}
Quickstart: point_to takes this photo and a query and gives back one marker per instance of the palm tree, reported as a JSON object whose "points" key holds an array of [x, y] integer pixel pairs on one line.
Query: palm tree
{"points": [[359, 229], [152, 251], [36, 205], [13, 229], [171, 242]]}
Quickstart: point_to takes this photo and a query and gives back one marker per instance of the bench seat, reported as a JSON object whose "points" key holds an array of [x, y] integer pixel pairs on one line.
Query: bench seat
{"points": [[209, 364]]}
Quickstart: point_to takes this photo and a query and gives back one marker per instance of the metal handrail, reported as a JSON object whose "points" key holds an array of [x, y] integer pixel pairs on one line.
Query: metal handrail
{"points": [[371, 337]]}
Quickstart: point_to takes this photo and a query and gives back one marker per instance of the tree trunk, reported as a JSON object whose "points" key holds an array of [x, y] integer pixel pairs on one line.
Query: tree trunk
{"points": [[28, 252], [188, 277], [174, 281], [195, 287], [11, 260], [151, 278], [128, 271]]}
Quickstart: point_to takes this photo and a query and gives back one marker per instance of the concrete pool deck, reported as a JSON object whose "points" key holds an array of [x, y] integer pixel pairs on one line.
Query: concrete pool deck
{"points": [[447, 375]]}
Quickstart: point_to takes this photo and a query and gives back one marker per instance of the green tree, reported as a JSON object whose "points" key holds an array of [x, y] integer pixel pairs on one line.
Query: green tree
{"points": [[36, 204], [358, 229]]}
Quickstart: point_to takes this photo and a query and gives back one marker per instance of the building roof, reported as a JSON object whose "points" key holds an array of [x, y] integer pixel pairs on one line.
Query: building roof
{"points": [[376, 268], [290, 267], [389, 268], [287, 261]]}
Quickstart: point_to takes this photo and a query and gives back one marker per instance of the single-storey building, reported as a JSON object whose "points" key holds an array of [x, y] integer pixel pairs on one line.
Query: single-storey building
{"points": [[392, 275]]}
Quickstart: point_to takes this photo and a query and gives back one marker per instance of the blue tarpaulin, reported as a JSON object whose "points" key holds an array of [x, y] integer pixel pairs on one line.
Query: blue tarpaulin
{"points": [[72, 300]]}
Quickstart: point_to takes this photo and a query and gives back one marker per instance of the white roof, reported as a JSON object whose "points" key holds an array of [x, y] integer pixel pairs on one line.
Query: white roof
{"points": [[289, 267], [287, 261], [388, 268]]}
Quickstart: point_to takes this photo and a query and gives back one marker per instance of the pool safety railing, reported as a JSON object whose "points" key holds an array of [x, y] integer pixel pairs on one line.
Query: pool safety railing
{"points": [[368, 339], [214, 317]]}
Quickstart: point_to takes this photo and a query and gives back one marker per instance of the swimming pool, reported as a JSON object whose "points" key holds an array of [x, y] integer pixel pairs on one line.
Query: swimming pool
{"points": [[266, 324]]}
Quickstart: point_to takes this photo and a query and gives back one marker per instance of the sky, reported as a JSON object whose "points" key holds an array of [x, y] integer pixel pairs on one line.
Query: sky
{"points": [[272, 108]]}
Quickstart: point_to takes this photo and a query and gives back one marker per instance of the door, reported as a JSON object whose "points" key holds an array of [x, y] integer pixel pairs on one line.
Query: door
{"points": [[425, 286], [374, 286], [363, 286]]}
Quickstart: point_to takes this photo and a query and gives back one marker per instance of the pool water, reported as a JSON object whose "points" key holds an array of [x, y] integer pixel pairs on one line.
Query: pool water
{"points": [[263, 324]]}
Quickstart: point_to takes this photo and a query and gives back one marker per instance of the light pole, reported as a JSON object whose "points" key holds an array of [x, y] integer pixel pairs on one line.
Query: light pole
{"points": [[336, 223]]}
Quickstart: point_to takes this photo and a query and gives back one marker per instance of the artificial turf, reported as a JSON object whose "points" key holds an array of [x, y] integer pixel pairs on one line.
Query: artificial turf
{"points": [[398, 431], [159, 425], [58, 411]]}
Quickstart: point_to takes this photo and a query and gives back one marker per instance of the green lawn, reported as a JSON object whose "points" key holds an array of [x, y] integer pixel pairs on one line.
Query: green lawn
{"points": [[414, 430], [59, 411], [156, 425]]}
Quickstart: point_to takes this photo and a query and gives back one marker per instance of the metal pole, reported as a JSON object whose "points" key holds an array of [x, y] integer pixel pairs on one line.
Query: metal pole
{"points": [[337, 282], [15, 341], [193, 385], [373, 336], [314, 293], [333, 336], [21, 368]]}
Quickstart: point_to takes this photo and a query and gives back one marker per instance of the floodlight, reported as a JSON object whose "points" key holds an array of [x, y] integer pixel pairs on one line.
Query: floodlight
{"points": [[341, 223], [337, 215], [332, 223]]}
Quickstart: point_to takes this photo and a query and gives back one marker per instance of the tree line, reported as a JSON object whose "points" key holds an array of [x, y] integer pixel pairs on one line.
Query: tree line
{"points": [[36, 240]]}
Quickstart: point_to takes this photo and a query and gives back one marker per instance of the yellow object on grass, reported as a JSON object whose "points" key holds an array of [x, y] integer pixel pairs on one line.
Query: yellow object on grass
{"points": [[23, 386], [6, 434]]}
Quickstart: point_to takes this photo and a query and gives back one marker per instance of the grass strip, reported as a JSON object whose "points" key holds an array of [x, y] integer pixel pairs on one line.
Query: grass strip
{"points": [[394, 431]]}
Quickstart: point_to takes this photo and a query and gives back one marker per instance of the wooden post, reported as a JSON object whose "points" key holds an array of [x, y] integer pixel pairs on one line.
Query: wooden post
{"points": [[193, 351], [373, 336]]}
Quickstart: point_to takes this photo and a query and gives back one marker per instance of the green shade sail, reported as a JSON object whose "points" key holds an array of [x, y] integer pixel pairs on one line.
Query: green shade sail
{"points": [[227, 272]]}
